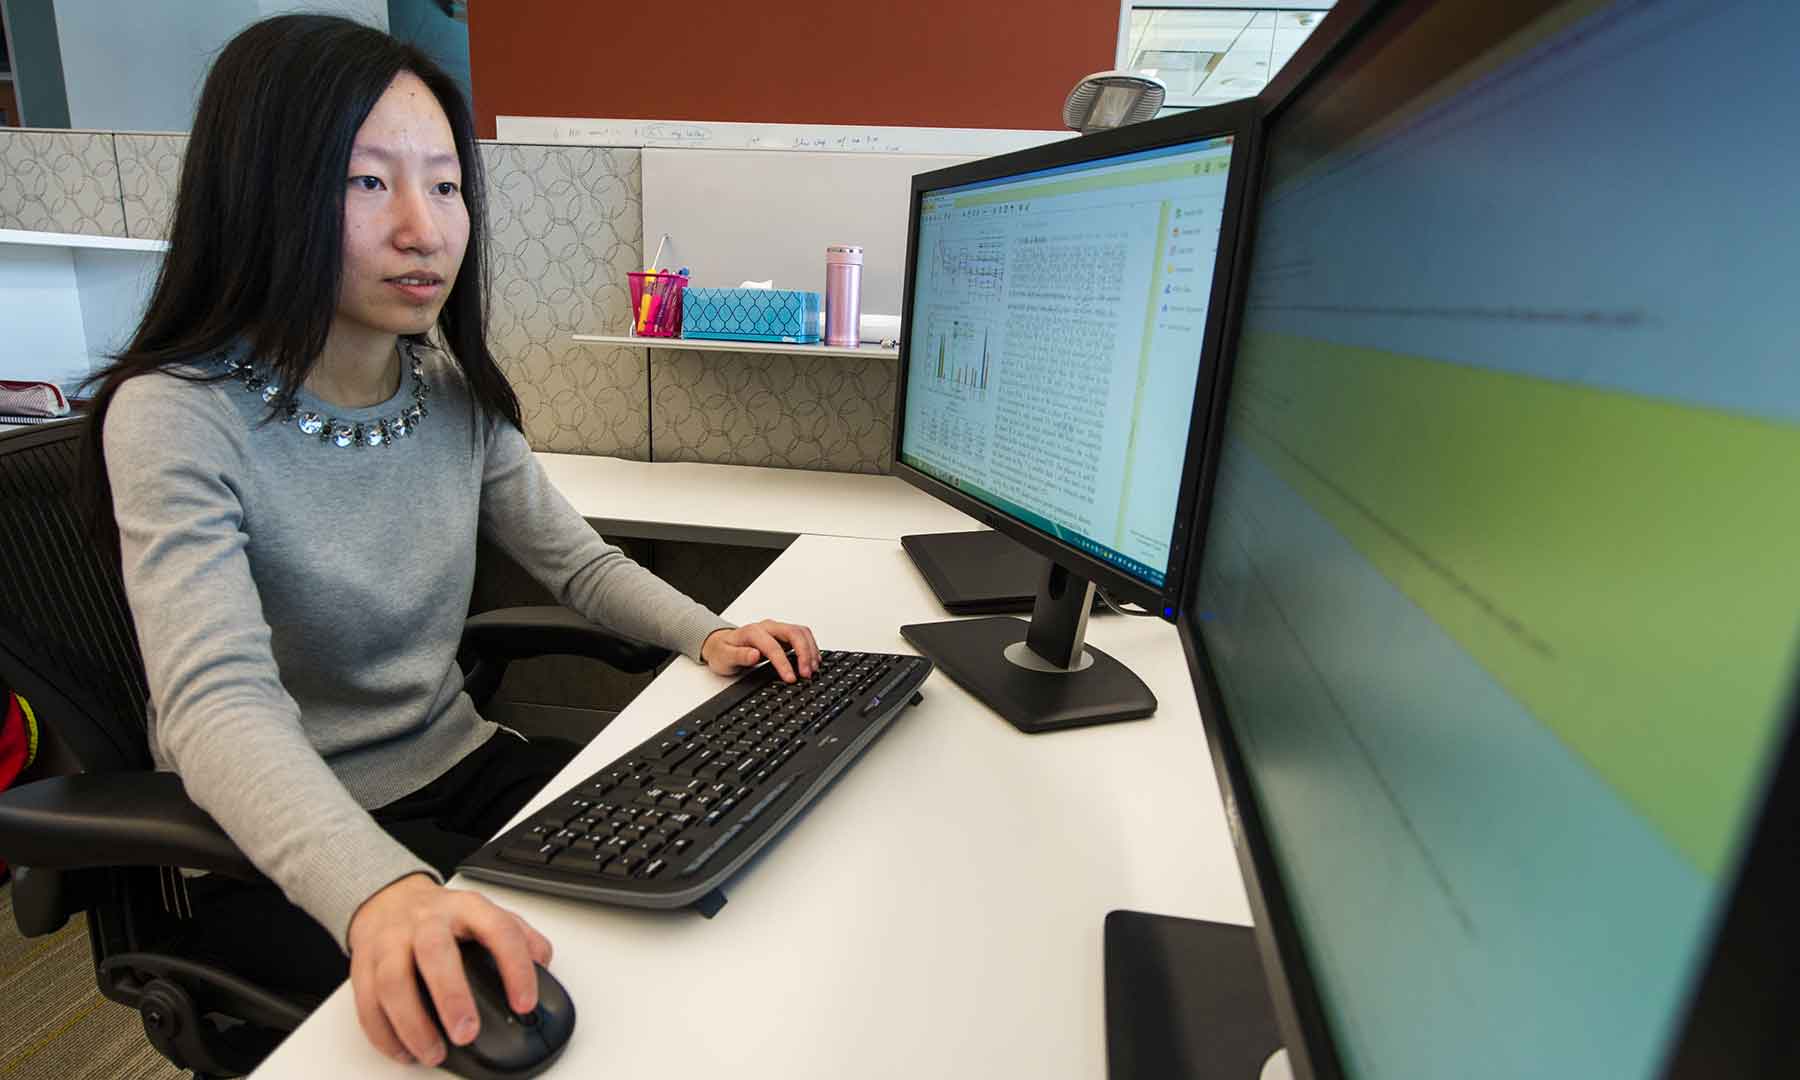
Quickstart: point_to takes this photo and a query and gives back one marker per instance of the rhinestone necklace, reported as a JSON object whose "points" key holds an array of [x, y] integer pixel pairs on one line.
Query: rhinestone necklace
{"points": [[382, 431]]}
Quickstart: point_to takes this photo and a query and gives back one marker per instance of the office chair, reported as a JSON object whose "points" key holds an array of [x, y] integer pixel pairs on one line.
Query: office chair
{"points": [[98, 830]]}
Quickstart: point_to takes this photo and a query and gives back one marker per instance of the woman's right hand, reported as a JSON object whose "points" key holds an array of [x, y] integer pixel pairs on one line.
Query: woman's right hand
{"points": [[413, 925]]}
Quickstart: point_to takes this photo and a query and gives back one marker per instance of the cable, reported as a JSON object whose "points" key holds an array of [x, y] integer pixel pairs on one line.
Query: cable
{"points": [[1108, 601]]}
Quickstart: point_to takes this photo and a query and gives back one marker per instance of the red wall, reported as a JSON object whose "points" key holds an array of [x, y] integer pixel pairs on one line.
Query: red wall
{"points": [[908, 63]]}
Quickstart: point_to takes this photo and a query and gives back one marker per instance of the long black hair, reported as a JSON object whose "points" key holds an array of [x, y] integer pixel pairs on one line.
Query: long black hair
{"points": [[256, 244]]}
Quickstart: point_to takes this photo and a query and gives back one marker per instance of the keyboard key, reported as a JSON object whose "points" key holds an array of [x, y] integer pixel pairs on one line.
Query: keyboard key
{"points": [[536, 854], [653, 868], [579, 861], [615, 868]]}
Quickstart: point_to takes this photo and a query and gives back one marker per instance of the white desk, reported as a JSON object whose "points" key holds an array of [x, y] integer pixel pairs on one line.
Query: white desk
{"points": [[936, 914], [743, 504]]}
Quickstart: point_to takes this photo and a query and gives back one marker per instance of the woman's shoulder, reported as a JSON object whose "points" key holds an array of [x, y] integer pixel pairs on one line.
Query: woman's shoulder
{"points": [[171, 402]]}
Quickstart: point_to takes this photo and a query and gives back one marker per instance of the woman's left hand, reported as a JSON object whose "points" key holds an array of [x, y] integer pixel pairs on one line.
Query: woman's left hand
{"points": [[730, 651]]}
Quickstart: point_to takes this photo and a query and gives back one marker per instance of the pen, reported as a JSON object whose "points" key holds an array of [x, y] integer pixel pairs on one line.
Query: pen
{"points": [[652, 299], [650, 272]]}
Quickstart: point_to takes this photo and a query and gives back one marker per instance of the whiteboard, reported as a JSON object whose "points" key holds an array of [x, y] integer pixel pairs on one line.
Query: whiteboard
{"points": [[741, 215], [815, 138]]}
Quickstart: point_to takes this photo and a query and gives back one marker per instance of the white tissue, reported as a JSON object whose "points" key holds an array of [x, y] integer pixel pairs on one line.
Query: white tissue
{"points": [[769, 284]]}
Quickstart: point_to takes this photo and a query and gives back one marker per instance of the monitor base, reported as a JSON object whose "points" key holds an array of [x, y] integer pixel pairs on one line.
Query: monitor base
{"points": [[973, 652], [1186, 1000], [978, 572]]}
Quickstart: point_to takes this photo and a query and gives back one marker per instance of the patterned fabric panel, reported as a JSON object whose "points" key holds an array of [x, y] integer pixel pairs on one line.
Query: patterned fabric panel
{"points": [[832, 413], [149, 168], [63, 182], [567, 226]]}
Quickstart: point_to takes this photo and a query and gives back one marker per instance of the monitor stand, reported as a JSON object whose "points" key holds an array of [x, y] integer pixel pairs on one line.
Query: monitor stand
{"points": [[1187, 1000], [1039, 675]]}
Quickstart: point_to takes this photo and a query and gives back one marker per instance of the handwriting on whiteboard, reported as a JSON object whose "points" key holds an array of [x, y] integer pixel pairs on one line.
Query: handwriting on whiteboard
{"points": [[827, 138]]}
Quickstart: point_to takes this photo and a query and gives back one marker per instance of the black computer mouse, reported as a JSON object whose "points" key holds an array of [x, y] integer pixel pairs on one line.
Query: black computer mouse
{"points": [[509, 1045]]}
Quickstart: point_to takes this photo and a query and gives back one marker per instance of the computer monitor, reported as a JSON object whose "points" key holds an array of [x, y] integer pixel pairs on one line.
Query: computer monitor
{"points": [[1053, 385], [1494, 623]]}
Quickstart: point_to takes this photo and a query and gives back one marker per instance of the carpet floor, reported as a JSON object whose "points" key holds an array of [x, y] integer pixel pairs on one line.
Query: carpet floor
{"points": [[54, 1025]]}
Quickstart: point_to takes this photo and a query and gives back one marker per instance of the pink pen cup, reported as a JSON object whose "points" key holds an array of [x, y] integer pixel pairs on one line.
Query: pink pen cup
{"points": [[656, 303]]}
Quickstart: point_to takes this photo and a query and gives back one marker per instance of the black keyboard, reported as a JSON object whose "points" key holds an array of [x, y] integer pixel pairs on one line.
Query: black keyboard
{"points": [[666, 824]]}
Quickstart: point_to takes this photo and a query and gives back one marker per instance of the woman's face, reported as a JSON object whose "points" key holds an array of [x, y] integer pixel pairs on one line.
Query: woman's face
{"points": [[405, 224]]}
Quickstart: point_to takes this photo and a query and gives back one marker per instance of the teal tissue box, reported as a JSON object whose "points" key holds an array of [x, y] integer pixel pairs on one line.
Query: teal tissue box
{"points": [[785, 315]]}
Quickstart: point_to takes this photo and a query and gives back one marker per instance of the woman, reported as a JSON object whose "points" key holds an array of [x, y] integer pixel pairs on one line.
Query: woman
{"points": [[298, 479]]}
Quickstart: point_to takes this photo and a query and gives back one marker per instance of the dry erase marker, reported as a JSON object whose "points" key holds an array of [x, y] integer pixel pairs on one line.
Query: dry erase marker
{"points": [[652, 299]]}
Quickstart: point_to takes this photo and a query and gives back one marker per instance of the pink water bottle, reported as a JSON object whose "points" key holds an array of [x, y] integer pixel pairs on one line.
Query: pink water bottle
{"points": [[843, 295]]}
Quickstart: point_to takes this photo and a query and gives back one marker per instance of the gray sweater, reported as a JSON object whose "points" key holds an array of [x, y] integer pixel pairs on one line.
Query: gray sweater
{"points": [[299, 606]]}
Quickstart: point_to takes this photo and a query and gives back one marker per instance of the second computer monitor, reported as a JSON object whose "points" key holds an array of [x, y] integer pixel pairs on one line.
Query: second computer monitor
{"points": [[1058, 319]]}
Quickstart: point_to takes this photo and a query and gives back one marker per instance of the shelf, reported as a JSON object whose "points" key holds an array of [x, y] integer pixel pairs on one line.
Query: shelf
{"points": [[80, 240], [704, 345]]}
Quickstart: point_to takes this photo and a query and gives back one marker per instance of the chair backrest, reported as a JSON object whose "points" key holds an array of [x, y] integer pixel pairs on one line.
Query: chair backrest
{"points": [[67, 643]]}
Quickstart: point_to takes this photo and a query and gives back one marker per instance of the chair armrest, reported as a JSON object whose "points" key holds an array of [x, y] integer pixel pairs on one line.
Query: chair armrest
{"points": [[518, 632], [114, 819]]}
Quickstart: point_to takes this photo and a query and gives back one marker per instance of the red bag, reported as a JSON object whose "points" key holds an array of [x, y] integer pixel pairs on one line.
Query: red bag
{"points": [[18, 745]]}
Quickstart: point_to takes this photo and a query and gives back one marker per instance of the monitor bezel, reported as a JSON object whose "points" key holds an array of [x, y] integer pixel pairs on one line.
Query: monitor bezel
{"points": [[1734, 1020], [1236, 119]]}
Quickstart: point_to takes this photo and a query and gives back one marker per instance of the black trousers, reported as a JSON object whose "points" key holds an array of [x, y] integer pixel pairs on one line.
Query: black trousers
{"points": [[252, 929]]}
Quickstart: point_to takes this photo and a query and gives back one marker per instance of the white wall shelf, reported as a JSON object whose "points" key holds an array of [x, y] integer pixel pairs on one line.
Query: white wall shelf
{"points": [[80, 240], [705, 345], [69, 300]]}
